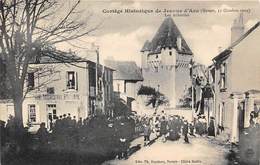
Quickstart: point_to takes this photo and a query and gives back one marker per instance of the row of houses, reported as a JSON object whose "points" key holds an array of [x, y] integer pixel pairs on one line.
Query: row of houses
{"points": [[234, 81], [71, 85]]}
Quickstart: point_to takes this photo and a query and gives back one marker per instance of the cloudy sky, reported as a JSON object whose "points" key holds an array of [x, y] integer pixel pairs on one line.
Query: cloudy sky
{"points": [[121, 36]]}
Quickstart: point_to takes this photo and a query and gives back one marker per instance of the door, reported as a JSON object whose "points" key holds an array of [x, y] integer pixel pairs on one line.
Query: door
{"points": [[241, 110], [51, 115]]}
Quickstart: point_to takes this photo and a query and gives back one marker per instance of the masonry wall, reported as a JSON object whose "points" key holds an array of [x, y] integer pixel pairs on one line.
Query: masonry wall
{"points": [[182, 79]]}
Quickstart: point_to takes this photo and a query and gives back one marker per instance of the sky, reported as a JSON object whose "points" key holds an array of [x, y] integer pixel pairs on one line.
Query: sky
{"points": [[122, 35]]}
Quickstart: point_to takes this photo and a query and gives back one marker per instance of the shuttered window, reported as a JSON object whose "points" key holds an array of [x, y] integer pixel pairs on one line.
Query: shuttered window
{"points": [[30, 84]]}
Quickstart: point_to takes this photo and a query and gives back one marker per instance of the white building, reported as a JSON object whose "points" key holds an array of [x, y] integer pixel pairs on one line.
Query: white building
{"points": [[68, 87], [165, 62], [126, 79], [236, 72]]}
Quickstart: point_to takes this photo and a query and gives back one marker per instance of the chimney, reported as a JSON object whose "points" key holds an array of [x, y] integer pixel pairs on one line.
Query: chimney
{"points": [[178, 43], [237, 29]]}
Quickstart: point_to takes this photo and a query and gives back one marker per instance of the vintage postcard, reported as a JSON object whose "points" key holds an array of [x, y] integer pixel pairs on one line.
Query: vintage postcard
{"points": [[136, 82]]}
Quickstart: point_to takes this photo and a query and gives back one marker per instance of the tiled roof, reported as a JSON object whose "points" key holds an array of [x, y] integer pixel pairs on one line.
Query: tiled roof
{"points": [[146, 46], [56, 56], [125, 70], [166, 36], [227, 51]]}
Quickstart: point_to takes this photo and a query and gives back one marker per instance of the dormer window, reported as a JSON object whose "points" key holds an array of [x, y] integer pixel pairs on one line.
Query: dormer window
{"points": [[72, 80]]}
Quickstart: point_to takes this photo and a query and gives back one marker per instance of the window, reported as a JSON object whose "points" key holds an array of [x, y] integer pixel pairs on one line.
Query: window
{"points": [[223, 76], [51, 108], [170, 53], [118, 87], [30, 84], [156, 56], [71, 80], [50, 90], [32, 113]]}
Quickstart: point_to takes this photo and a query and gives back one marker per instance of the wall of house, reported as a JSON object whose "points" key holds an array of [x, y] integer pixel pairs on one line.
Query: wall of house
{"points": [[6, 109], [243, 74], [119, 85], [73, 101], [224, 104], [246, 63]]}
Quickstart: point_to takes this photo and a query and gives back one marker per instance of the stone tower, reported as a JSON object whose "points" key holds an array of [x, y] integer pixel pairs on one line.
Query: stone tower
{"points": [[165, 62], [237, 29]]}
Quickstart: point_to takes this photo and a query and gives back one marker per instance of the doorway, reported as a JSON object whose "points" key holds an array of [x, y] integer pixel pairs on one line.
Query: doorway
{"points": [[51, 115], [241, 110]]}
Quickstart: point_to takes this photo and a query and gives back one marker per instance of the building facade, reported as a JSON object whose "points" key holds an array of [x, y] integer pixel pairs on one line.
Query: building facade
{"points": [[236, 71], [66, 86], [165, 62]]}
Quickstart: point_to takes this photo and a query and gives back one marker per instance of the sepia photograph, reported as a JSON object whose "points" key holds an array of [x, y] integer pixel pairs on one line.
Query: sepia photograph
{"points": [[129, 82]]}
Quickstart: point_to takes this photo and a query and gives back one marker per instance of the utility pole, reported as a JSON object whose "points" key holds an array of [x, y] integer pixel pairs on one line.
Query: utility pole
{"points": [[192, 90]]}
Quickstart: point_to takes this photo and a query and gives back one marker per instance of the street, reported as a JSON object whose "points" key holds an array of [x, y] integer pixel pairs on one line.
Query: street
{"points": [[199, 152]]}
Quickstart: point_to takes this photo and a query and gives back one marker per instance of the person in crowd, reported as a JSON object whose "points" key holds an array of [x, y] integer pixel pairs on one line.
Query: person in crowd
{"points": [[10, 128], [191, 126], [157, 127], [74, 122], [51, 123], [147, 132], [3, 133], [173, 128], [80, 123], [163, 129], [185, 130], [252, 119], [256, 110], [42, 135], [211, 128], [204, 124], [163, 114]]}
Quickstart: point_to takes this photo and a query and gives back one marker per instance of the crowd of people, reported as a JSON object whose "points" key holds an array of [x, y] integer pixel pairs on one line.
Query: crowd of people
{"points": [[171, 127], [167, 127], [113, 135]]}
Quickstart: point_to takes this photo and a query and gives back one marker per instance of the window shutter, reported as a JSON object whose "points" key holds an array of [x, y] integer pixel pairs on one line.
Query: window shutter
{"points": [[30, 80], [76, 81], [225, 77], [67, 80]]}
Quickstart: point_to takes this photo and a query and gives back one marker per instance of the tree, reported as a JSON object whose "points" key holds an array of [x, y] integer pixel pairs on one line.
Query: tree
{"points": [[30, 27], [155, 98]]}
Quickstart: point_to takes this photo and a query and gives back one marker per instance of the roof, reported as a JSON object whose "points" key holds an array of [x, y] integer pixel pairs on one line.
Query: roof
{"points": [[56, 56], [224, 54], [125, 70], [146, 46], [166, 36]]}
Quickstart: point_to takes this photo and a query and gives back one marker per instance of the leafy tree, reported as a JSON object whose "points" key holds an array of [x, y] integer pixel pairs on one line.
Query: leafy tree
{"points": [[155, 98]]}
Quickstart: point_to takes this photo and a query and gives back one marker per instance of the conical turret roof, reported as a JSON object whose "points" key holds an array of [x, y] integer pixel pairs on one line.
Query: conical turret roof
{"points": [[166, 37]]}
